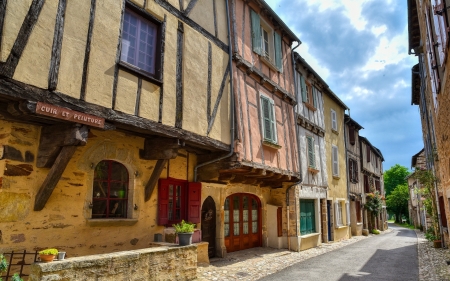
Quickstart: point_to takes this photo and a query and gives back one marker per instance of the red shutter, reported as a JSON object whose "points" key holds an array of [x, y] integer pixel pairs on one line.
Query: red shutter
{"points": [[163, 202], [442, 210], [194, 202], [280, 221]]}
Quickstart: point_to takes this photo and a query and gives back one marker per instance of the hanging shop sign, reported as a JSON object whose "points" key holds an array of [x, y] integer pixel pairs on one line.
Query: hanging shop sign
{"points": [[69, 115]]}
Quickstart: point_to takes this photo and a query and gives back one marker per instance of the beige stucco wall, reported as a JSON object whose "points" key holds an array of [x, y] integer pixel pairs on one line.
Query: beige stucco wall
{"points": [[337, 185], [33, 66]]}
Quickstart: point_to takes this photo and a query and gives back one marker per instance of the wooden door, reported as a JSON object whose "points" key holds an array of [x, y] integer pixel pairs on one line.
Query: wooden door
{"points": [[242, 222], [209, 225]]}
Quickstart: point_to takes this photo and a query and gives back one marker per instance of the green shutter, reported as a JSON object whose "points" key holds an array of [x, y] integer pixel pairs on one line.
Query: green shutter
{"points": [[311, 155], [303, 86], [268, 119], [314, 95], [256, 32], [278, 53]]}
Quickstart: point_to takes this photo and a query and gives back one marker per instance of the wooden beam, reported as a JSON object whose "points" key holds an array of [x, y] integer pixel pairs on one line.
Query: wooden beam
{"points": [[150, 186], [12, 89], [57, 46], [55, 137], [53, 177], [179, 77], [87, 50], [160, 148], [190, 6]]}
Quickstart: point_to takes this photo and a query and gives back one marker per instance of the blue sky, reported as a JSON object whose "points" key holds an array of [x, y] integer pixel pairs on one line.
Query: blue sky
{"points": [[360, 49]]}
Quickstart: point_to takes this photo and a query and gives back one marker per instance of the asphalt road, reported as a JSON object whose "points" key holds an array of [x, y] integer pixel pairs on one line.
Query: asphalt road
{"points": [[388, 257]]}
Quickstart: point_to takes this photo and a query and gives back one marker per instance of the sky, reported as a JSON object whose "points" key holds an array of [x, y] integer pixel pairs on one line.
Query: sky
{"points": [[360, 49]]}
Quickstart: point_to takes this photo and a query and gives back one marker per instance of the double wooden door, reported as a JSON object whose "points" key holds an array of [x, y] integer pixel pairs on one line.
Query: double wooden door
{"points": [[242, 222]]}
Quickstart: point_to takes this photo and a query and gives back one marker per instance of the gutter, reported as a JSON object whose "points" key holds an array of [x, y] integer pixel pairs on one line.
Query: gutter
{"points": [[230, 64]]}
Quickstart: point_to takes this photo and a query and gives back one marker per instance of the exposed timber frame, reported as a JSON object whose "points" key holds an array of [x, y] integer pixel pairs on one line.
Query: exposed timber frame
{"points": [[88, 50], [16, 90], [57, 45], [179, 77], [66, 141], [8, 68]]}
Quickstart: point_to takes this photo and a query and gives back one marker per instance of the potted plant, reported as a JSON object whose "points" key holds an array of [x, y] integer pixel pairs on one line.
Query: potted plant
{"points": [[4, 267], [184, 230], [48, 255]]}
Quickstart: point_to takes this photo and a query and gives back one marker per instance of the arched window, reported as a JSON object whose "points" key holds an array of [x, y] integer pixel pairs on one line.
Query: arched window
{"points": [[110, 192]]}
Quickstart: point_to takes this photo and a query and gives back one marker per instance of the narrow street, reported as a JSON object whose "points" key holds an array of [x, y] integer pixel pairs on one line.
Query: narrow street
{"points": [[392, 256]]}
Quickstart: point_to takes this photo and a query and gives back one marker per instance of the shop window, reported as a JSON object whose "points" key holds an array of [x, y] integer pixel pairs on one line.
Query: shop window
{"points": [[178, 200], [110, 190]]}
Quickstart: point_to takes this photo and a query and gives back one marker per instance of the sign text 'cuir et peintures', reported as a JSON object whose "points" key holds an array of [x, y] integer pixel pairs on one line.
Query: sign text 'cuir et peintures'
{"points": [[70, 115]]}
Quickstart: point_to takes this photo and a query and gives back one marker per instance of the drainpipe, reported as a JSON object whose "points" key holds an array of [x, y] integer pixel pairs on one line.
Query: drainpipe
{"points": [[346, 170], [230, 65], [298, 146]]}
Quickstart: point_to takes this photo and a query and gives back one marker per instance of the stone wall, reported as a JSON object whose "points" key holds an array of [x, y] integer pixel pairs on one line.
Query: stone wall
{"points": [[158, 263]]}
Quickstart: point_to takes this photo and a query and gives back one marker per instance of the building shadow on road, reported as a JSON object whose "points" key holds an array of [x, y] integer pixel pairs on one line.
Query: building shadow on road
{"points": [[395, 264]]}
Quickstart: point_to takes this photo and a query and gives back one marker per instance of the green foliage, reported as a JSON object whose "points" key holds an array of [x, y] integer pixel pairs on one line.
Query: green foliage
{"points": [[4, 267], [395, 176], [184, 227], [374, 202], [375, 231], [16, 277], [430, 235], [428, 181], [397, 201], [50, 251]]}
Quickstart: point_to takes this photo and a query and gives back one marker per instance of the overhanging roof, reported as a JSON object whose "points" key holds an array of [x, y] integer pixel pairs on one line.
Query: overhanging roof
{"points": [[413, 28], [415, 85]]}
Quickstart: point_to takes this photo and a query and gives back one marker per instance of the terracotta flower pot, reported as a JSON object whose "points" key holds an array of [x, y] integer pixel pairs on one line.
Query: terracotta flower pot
{"points": [[46, 258], [437, 244]]}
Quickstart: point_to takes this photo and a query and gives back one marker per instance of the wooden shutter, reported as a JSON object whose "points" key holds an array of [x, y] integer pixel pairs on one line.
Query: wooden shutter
{"points": [[366, 184], [356, 171], [334, 156], [336, 213], [350, 170], [440, 28], [163, 202], [367, 152], [256, 32], [314, 95], [311, 154], [333, 120], [351, 135], [303, 85], [431, 58], [347, 211], [278, 53], [194, 202], [442, 210], [280, 221]]}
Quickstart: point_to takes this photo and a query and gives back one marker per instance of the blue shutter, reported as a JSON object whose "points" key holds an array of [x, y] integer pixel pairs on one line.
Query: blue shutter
{"points": [[278, 53], [303, 88], [256, 32]]}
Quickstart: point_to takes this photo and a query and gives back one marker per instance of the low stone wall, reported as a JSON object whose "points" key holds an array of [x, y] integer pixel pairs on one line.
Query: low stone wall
{"points": [[158, 263]]}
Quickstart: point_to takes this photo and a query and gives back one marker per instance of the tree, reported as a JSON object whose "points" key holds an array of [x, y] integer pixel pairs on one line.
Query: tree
{"points": [[395, 176], [397, 201]]}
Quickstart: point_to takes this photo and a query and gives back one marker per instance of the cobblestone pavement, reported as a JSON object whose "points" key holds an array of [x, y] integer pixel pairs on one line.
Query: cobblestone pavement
{"points": [[432, 262], [256, 263]]}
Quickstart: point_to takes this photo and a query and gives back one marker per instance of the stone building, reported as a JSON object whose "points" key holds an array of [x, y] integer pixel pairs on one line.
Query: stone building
{"points": [[428, 40], [354, 176], [106, 107], [417, 213]]}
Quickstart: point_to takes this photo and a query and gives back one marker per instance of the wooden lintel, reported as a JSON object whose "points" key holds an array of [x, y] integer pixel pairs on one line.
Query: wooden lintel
{"points": [[151, 184], [55, 137], [53, 177], [160, 148]]}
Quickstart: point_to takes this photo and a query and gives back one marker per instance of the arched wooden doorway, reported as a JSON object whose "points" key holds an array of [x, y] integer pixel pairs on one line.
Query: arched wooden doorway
{"points": [[209, 225], [242, 222]]}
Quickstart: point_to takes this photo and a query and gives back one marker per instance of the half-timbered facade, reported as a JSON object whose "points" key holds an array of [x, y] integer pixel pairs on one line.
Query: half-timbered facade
{"points": [[312, 193], [249, 185], [106, 107], [372, 176], [337, 195], [354, 180]]}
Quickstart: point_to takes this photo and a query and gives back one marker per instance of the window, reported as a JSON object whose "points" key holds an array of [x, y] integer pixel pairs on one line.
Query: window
{"points": [[334, 126], [351, 134], [266, 42], [338, 213], [366, 184], [378, 186], [335, 163], [178, 200], [440, 28], [307, 216], [308, 94], [268, 119], [311, 154], [353, 170], [110, 190], [367, 153], [431, 61], [140, 43]]}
